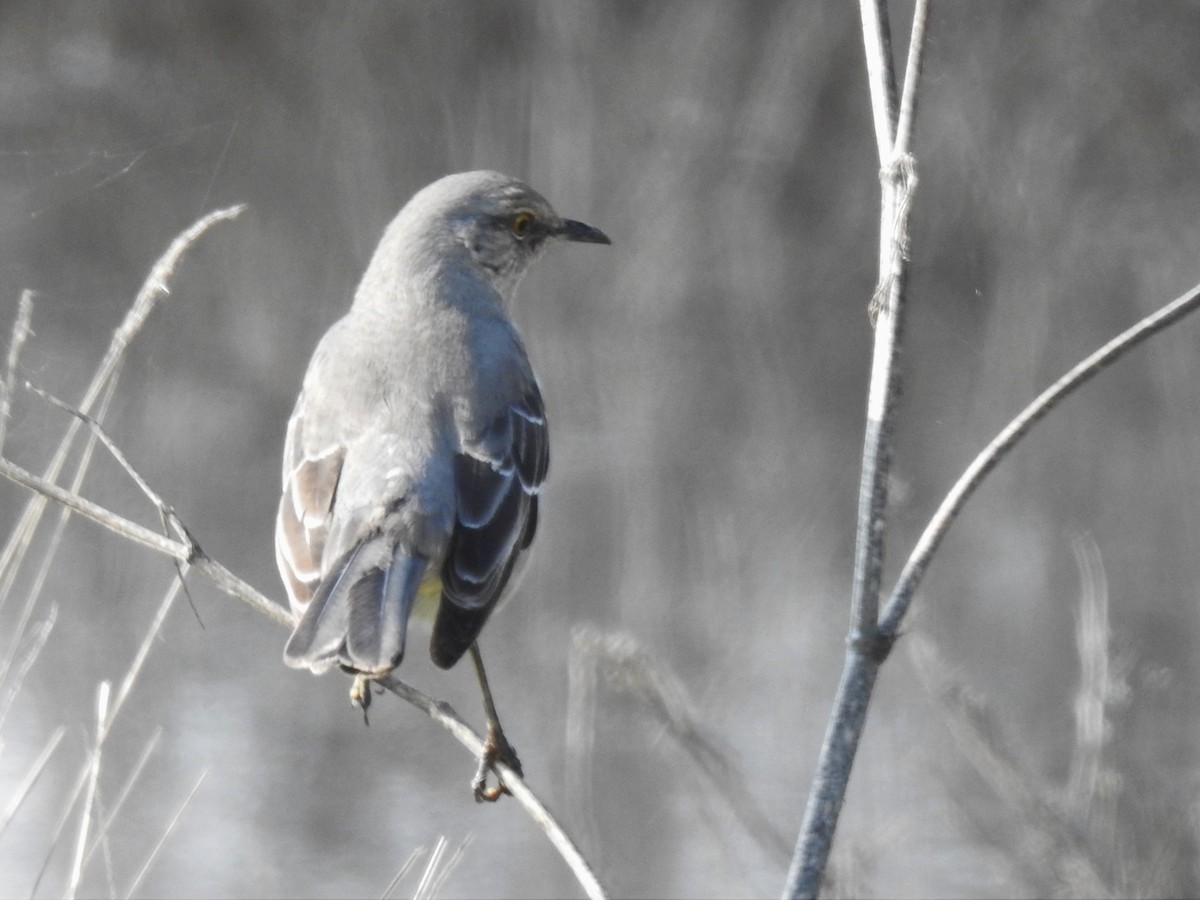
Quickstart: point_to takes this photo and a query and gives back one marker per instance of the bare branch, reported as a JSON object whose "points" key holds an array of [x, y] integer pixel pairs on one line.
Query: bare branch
{"points": [[184, 552], [931, 538], [865, 651], [103, 380]]}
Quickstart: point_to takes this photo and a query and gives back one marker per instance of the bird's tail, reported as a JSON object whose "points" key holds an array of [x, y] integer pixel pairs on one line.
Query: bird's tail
{"points": [[358, 616]]}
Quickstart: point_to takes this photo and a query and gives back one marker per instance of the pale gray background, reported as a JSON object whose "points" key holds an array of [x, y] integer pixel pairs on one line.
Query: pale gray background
{"points": [[705, 378]]}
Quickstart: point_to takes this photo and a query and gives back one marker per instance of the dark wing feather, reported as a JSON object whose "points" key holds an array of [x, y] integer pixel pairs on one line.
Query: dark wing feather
{"points": [[496, 485]]}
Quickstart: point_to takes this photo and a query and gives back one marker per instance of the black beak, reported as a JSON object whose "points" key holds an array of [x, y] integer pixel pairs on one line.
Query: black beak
{"points": [[570, 230]]}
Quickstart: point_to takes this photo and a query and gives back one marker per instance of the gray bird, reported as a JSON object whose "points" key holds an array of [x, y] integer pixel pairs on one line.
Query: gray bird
{"points": [[419, 442]]}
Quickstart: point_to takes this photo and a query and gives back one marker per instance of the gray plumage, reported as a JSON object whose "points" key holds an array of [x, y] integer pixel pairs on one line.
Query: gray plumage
{"points": [[418, 443]]}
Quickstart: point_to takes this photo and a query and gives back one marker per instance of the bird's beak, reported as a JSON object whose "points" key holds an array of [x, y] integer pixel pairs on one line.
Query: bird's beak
{"points": [[570, 230]]}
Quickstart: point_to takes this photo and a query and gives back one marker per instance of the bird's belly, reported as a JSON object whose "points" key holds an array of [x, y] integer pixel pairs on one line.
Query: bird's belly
{"points": [[424, 608]]}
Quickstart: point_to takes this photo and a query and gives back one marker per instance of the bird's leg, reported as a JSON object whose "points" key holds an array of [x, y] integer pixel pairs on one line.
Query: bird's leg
{"points": [[496, 748], [360, 694]]}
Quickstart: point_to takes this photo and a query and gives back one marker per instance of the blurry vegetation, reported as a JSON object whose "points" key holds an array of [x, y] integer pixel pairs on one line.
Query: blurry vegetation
{"points": [[1110, 830]]}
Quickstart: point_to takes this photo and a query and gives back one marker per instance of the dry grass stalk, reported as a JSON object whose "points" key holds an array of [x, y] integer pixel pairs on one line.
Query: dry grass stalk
{"points": [[623, 665]]}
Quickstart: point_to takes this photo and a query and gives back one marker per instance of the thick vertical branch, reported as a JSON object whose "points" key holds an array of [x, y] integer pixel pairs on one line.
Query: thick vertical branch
{"points": [[865, 651]]}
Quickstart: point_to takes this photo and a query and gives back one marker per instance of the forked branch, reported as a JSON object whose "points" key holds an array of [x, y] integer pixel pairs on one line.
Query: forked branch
{"points": [[865, 651], [872, 635]]}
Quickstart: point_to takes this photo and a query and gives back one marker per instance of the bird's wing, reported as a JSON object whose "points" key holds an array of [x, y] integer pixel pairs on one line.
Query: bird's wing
{"points": [[312, 467], [350, 581], [497, 478]]}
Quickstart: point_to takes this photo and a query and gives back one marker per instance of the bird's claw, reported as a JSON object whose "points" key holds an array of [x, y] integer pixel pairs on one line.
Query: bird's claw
{"points": [[360, 695], [495, 749]]}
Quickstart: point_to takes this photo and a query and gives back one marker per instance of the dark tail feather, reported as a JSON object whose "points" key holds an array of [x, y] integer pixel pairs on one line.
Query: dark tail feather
{"points": [[359, 614], [379, 608]]}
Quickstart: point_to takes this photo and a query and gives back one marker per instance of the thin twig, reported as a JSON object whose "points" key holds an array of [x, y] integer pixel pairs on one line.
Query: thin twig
{"points": [[131, 531], [46, 562], [110, 445], [424, 889], [85, 817], [113, 710], [155, 286], [931, 538], [881, 77], [912, 77], [405, 868], [166, 513], [19, 334], [31, 778], [447, 868], [33, 642], [166, 834], [123, 795], [139, 534]]}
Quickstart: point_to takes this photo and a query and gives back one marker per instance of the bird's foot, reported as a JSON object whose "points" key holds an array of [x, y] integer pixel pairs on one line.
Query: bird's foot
{"points": [[360, 695], [495, 749]]}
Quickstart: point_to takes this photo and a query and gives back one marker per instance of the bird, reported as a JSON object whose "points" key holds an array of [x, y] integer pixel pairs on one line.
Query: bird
{"points": [[418, 445]]}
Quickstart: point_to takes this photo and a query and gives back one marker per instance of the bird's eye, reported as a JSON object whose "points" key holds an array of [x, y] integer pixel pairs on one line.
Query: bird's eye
{"points": [[521, 223]]}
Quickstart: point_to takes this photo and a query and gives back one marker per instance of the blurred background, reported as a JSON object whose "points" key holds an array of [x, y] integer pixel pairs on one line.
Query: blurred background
{"points": [[705, 378]]}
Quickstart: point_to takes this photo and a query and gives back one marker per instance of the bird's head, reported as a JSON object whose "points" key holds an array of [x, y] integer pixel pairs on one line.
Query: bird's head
{"points": [[498, 224]]}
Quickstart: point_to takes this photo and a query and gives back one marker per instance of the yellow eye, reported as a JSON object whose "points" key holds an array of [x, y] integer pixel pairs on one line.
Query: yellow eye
{"points": [[521, 223]]}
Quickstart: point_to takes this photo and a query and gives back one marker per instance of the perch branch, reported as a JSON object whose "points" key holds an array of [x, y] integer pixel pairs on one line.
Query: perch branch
{"points": [[189, 552]]}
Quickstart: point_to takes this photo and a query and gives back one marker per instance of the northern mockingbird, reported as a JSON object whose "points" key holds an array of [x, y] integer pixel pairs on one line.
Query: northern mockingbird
{"points": [[418, 443]]}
